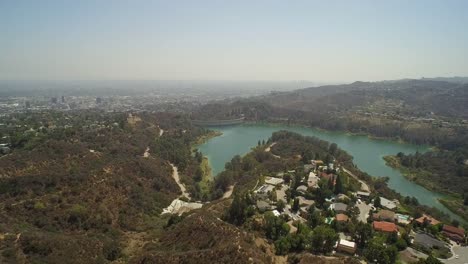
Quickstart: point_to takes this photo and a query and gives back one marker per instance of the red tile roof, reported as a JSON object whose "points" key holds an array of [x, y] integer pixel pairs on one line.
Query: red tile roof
{"points": [[328, 176], [428, 219], [341, 218], [384, 226], [454, 230]]}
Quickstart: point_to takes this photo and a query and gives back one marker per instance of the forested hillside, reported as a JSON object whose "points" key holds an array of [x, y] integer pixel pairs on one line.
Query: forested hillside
{"points": [[418, 111], [81, 181], [433, 112]]}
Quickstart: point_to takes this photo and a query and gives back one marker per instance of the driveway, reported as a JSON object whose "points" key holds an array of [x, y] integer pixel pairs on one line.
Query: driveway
{"points": [[462, 253], [363, 211], [428, 241], [364, 186], [281, 193]]}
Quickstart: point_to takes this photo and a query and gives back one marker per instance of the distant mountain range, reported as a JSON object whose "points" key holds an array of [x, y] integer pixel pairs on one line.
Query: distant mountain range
{"points": [[419, 96], [455, 79]]}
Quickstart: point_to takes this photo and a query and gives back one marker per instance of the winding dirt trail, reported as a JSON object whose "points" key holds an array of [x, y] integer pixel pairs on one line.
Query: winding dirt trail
{"points": [[228, 193], [147, 153], [269, 147], [175, 175]]}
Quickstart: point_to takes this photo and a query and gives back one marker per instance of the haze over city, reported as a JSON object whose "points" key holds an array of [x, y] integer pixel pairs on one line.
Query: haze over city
{"points": [[321, 41], [231, 132]]}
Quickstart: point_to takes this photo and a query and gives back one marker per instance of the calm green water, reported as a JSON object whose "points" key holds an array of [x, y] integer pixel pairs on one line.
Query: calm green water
{"points": [[368, 154]]}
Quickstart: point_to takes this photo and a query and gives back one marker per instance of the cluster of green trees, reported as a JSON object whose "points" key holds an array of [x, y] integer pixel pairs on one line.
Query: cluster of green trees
{"points": [[241, 208], [444, 171], [245, 171], [290, 144]]}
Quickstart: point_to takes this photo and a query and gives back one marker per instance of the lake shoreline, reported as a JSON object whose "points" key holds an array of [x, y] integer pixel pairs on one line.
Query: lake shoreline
{"points": [[206, 137], [364, 134], [449, 201], [367, 153]]}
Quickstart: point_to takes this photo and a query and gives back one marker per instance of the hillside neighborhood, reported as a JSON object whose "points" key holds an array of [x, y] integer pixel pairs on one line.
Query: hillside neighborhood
{"points": [[295, 198]]}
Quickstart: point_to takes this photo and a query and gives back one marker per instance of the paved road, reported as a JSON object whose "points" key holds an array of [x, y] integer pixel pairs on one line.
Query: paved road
{"points": [[363, 211], [281, 193], [462, 253], [364, 186]]}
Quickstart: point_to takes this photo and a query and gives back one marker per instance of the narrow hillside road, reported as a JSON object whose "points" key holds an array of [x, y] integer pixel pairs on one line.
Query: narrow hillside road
{"points": [[364, 186], [175, 175], [179, 206], [228, 193], [269, 148], [146, 154]]}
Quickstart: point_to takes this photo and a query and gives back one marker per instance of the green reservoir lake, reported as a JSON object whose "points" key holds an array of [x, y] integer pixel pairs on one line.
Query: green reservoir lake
{"points": [[368, 154]]}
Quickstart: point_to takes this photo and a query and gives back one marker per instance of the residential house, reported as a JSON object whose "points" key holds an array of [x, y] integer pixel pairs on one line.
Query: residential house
{"points": [[304, 205], [341, 218], [338, 207], [303, 202], [313, 180], [363, 195], [427, 219], [274, 181], [302, 189], [384, 215], [388, 203], [454, 233], [427, 241], [385, 227], [263, 206], [346, 246], [264, 190]]}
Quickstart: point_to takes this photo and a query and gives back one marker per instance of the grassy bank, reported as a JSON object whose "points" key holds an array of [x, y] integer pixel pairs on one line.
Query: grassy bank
{"points": [[452, 201], [455, 205], [418, 176], [346, 131], [207, 179], [211, 134]]}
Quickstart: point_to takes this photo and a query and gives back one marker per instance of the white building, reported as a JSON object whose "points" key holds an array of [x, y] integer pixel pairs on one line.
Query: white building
{"points": [[387, 203], [274, 181], [313, 180]]}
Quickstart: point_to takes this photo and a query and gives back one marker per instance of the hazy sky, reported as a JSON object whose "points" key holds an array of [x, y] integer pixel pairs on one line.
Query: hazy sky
{"points": [[232, 40]]}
